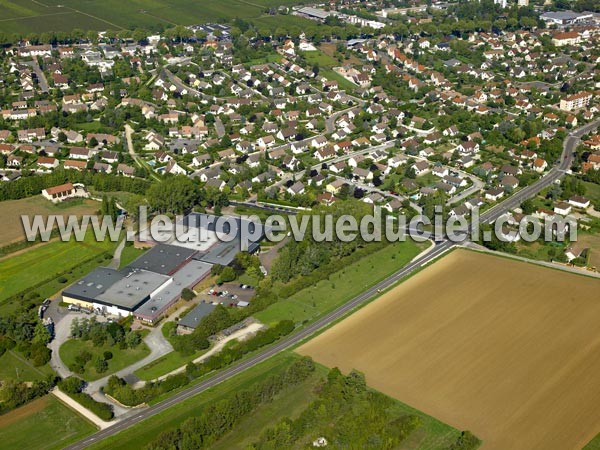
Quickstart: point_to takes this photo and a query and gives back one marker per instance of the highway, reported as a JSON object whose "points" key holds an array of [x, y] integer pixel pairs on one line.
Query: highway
{"points": [[439, 248]]}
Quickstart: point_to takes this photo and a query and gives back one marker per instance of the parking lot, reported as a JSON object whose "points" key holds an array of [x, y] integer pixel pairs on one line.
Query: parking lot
{"points": [[231, 294]]}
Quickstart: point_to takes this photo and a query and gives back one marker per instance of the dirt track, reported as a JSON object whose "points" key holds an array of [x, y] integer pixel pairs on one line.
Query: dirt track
{"points": [[508, 350]]}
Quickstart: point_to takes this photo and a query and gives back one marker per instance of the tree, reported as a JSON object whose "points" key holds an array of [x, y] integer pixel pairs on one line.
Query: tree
{"points": [[101, 365], [175, 195], [71, 385], [188, 294], [528, 207], [133, 339], [41, 334], [228, 274]]}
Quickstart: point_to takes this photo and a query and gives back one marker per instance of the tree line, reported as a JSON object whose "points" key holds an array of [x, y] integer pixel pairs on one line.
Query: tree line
{"points": [[32, 184], [220, 417]]}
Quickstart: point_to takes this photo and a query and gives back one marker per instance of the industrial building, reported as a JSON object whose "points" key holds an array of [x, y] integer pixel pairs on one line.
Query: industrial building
{"points": [[153, 283]]}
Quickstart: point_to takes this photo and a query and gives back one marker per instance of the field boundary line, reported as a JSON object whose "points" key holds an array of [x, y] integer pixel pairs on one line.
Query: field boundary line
{"points": [[548, 265], [95, 17], [36, 16]]}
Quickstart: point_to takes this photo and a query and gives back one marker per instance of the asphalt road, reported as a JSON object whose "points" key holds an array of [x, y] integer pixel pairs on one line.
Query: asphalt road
{"points": [[570, 144], [440, 247]]}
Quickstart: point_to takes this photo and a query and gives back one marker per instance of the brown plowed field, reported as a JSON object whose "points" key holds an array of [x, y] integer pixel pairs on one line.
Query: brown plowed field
{"points": [[508, 350]]}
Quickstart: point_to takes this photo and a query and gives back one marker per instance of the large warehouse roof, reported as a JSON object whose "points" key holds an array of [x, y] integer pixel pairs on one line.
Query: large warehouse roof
{"points": [[164, 259], [133, 290], [188, 276], [93, 284]]}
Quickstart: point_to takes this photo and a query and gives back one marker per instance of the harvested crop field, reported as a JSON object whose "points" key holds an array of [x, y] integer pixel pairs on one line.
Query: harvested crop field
{"points": [[12, 226], [505, 349]]}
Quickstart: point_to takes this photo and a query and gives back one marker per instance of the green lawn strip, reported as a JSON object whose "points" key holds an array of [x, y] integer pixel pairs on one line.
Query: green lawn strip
{"points": [[129, 254], [121, 357], [144, 432], [341, 286], [594, 444], [44, 424], [166, 364], [15, 366]]}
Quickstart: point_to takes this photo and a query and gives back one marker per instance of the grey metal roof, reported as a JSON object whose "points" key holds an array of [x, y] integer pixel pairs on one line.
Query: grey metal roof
{"points": [[188, 276], [193, 318], [93, 284], [133, 290], [163, 258]]}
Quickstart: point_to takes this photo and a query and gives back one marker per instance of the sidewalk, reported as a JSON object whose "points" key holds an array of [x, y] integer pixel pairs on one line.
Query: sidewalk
{"points": [[240, 334], [81, 410]]}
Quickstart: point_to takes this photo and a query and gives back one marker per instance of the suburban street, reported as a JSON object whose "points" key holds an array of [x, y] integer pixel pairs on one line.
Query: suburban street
{"points": [[439, 248]]}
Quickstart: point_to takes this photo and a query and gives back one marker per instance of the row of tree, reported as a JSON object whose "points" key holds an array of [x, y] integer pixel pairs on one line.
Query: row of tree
{"points": [[220, 417], [31, 184]]}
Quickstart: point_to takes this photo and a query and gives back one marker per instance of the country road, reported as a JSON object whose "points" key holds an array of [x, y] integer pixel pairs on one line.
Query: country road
{"points": [[136, 416]]}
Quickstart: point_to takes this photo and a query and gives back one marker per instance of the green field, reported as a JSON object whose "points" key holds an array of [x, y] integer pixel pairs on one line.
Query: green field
{"points": [[121, 357], [592, 191], [44, 424], [341, 286], [44, 263], [25, 16], [320, 58], [15, 366]]}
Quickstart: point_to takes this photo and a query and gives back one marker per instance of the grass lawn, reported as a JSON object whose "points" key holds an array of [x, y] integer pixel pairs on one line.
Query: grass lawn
{"points": [[130, 253], [15, 366], [320, 58], [341, 286], [592, 191], [342, 82], [121, 358], [594, 444], [44, 262], [90, 127], [166, 364], [44, 424]]}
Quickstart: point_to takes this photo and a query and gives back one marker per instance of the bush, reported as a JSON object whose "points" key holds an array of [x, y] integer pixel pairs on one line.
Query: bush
{"points": [[108, 355], [71, 385], [62, 280], [102, 410]]}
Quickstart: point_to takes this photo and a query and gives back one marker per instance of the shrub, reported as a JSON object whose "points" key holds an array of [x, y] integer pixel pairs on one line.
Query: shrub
{"points": [[102, 410], [71, 385]]}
